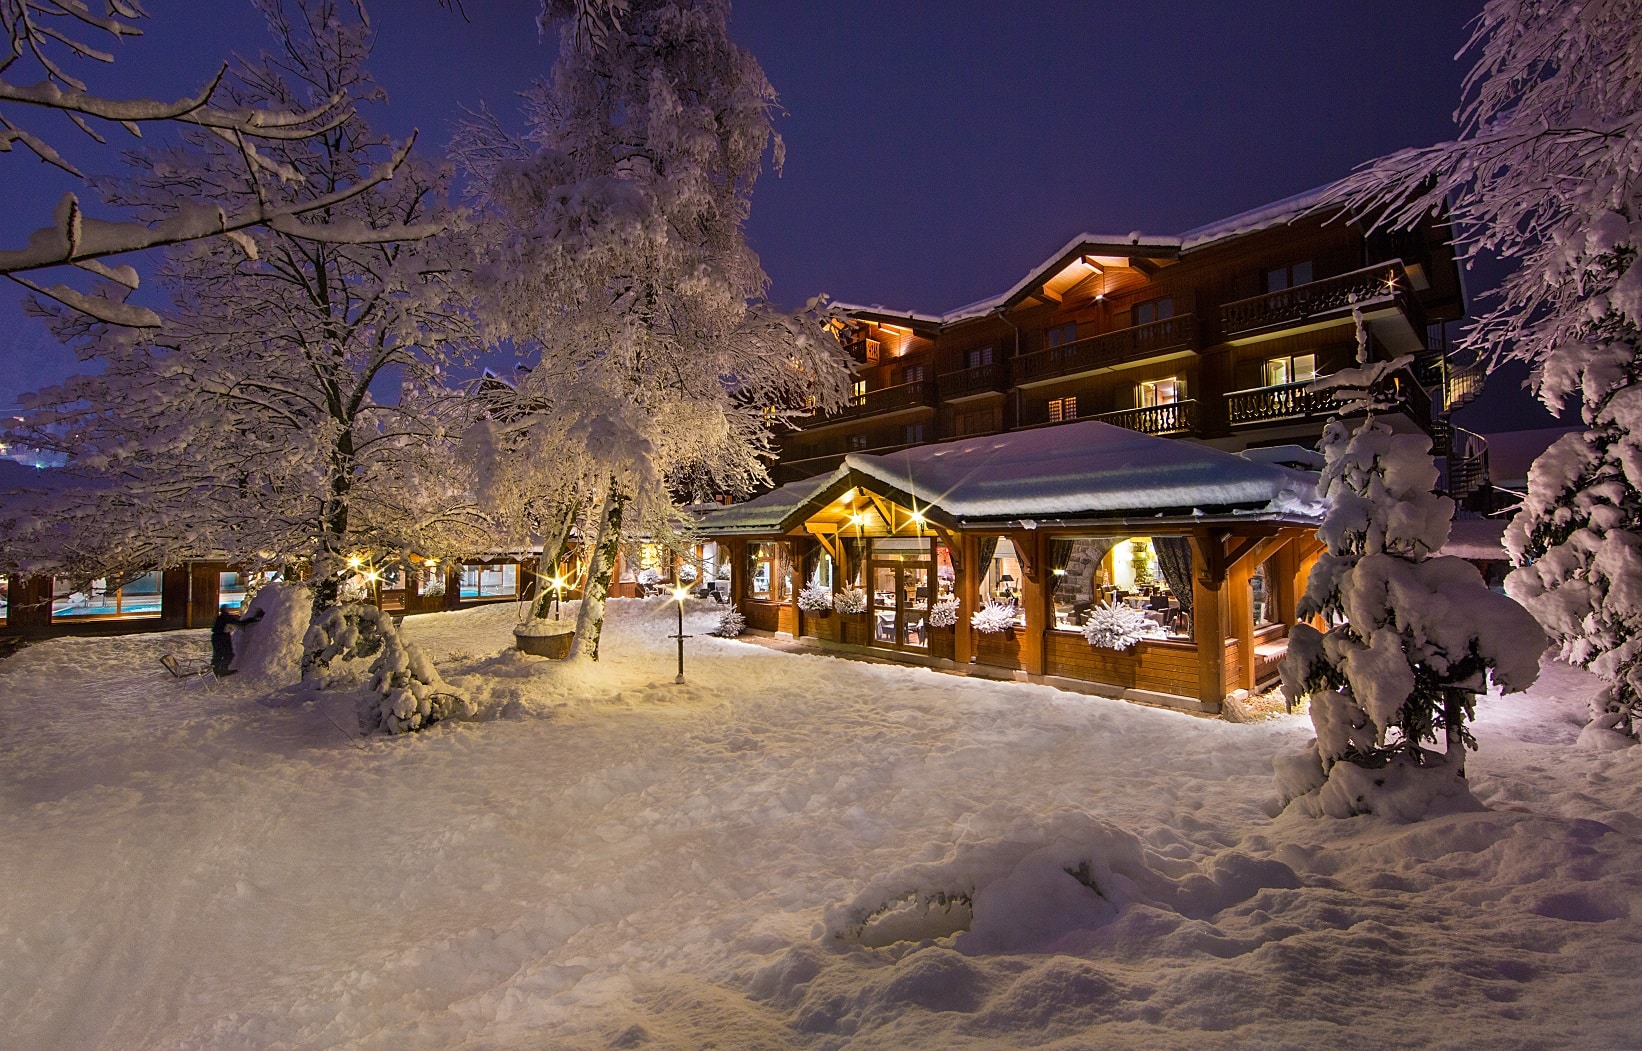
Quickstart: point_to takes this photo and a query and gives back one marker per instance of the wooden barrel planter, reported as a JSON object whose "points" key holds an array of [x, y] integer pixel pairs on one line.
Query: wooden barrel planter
{"points": [[554, 646], [821, 625], [855, 628]]}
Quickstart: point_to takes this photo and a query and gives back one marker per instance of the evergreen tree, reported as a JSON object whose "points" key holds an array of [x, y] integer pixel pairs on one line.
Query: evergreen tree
{"points": [[1410, 635]]}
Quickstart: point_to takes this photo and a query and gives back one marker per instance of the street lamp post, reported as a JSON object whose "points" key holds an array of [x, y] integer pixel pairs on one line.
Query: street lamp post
{"points": [[679, 594]]}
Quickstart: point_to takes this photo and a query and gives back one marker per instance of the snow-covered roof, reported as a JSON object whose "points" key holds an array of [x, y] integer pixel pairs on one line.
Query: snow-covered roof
{"points": [[1085, 468], [1477, 539], [1254, 220], [1070, 472], [763, 514]]}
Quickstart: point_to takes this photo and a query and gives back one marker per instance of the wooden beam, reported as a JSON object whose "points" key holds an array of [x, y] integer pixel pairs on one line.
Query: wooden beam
{"points": [[952, 545], [1026, 550], [826, 544], [1143, 265], [884, 509], [1209, 545]]}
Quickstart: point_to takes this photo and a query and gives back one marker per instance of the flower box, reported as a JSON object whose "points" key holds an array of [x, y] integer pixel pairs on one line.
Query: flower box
{"points": [[942, 642], [855, 628], [1001, 649], [821, 625]]}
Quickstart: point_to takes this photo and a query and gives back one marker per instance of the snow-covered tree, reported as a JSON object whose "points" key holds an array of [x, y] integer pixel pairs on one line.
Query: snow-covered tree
{"points": [[1411, 635], [1547, 174], [47, 36], [617, 257], [251, 421], [1578, 537]]}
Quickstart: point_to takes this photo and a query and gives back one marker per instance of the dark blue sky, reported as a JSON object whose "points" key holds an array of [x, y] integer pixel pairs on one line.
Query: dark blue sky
{"points": [[936, 150]]}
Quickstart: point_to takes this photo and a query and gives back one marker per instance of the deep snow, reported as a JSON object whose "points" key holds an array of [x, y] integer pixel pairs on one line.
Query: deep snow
{"points": [[609, 860]]}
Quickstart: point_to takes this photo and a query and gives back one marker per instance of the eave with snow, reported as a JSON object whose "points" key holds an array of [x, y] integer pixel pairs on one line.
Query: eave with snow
{"points": [[1049, 524]]}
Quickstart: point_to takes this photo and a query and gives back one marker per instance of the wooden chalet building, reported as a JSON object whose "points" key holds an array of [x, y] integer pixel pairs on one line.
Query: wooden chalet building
{"points": [[1212, 548], [1210, 336]]}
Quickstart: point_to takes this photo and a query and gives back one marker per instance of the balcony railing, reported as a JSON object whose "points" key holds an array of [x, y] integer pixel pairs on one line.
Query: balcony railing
{"points": [[1175, 418], [982, 379], [1297, 305], [1262, 404], [1107, 349], [879, 440], [885, 399]]}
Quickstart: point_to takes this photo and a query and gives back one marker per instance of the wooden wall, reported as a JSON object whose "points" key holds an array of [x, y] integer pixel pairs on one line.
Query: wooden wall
{"points": [[1161, 667]]}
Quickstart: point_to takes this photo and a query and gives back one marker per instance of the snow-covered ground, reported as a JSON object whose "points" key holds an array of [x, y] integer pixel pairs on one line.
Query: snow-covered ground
{"points": [[609, 860]]}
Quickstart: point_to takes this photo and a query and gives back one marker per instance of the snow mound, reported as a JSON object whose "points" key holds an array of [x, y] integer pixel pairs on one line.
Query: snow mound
{"points": [[1401, 790], [270, 649], [1043, 886]]}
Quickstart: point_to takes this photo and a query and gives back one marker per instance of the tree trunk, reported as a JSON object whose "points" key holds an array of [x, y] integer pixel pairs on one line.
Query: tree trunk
{"points": [[590, 622], [1453, 717], [548, 565]]}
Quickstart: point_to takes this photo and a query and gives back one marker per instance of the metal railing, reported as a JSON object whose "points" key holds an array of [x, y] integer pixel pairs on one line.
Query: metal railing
{"points": [[1108, 348], [1292, 306]]}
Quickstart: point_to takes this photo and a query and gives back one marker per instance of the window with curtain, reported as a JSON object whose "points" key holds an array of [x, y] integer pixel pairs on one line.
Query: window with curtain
{"points": [[1144, 573], [1001, 577]]}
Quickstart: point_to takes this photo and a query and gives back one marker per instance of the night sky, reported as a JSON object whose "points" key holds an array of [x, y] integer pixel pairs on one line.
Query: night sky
{"points": [[936, 151]]}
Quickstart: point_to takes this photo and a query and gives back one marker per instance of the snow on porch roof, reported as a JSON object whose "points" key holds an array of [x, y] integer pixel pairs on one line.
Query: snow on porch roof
{"points": [[1078, 469], [1074, 471]]}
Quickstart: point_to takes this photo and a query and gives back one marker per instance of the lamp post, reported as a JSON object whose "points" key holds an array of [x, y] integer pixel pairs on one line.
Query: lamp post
{"points": [[679, 594]]}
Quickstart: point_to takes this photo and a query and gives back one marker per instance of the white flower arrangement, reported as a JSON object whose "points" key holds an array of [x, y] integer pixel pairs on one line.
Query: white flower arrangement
{"points": [[1114, 626], [730, 624], [944, 614], [649, 577], [816, 598], [686, 573], [994, 618], [850, 600]]}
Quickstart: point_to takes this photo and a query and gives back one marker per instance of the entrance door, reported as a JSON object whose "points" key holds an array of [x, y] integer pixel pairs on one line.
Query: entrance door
{"points": [[900, 604]]}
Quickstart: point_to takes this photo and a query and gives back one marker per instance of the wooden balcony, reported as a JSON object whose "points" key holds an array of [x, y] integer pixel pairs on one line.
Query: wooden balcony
{"points": [[1327, 299], [1107, 349], [886, 399], [1280, 402], [982, 379], [879, 440], [1175, 418]]}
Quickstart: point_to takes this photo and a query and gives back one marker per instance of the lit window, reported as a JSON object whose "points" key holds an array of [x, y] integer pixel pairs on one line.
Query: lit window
{"points": [[1294, 369], [1161, 392], [1154, 310], [858, 391], [1063, 409]]}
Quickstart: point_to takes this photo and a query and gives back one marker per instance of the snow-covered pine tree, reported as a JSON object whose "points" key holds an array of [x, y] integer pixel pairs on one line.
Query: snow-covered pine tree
{"points": [[51, 35], [248, 423], [1411, 635], [1578, 537], [617, 256], [1547, 175]]}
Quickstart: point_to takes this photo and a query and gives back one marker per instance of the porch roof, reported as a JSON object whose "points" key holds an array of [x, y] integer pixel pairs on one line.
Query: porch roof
{"points": [[1054, 475]]}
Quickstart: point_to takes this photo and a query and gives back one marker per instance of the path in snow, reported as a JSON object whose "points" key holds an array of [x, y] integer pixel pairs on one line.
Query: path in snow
{"points": [[611, 860]]}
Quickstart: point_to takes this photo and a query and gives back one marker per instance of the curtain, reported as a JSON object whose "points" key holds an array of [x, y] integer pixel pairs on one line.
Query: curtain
{"points": [[1060, 553], [855, 550], [987, 547], [1174, 557]]}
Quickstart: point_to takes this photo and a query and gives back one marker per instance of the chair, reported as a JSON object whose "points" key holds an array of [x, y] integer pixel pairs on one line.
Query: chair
{"points": [[198, 672]]}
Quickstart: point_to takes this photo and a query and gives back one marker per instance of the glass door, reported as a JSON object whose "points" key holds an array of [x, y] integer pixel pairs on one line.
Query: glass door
{"points": [[900, 604]]}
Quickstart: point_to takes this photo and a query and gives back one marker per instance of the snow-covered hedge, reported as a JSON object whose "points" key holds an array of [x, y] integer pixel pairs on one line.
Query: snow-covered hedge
{"points": [[944, 614], [994, 618], [850, 600], [815, 599], [1115, 626]]}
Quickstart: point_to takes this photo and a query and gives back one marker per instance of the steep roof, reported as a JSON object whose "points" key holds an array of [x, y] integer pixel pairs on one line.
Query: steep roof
{"points": [[1073, 472]]}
